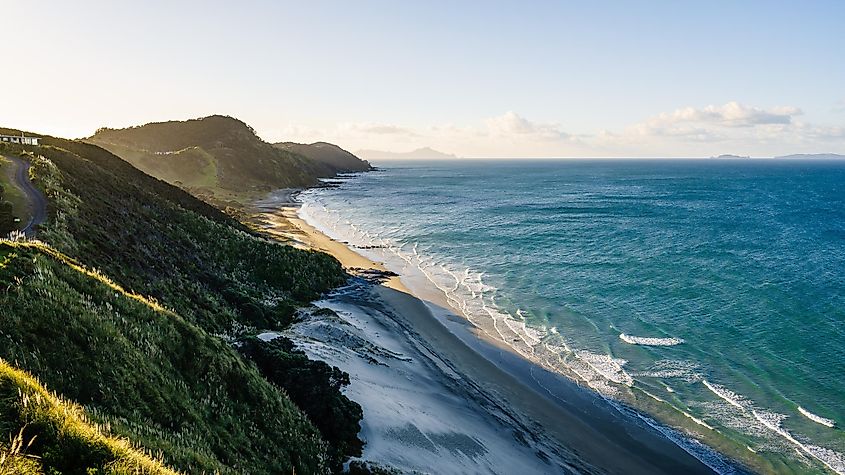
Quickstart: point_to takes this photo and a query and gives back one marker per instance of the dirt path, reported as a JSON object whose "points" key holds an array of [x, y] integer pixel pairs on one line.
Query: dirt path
{"points": [[36, 201]]}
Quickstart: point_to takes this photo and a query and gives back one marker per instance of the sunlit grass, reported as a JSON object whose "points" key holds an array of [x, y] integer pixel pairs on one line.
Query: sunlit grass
{"points": [[93, 273], [54, 426]]}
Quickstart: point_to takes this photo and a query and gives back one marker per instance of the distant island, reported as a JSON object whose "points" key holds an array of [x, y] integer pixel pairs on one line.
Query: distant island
{"points": [[794, 156], [728, 156], [813, 156], [420, 153]]}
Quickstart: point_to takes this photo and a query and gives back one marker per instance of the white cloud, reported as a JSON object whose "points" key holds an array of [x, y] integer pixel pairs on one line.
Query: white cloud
{"points": [[732, 114], [689, 131], [511, 124], [379, 129]]}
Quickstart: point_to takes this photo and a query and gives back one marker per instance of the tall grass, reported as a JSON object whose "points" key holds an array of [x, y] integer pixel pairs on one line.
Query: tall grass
{"points": [[41, 422]]}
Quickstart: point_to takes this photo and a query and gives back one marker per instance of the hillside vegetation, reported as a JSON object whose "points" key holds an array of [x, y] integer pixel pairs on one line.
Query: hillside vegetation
{"points": [[53, 435], [220, 159], [9, 196], [148, 350], [328, 154], [145, 371]]}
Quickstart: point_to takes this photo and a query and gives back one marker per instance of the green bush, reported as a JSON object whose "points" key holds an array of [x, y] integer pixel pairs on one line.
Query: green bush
{"points": [[7, 223], [315, 387]]}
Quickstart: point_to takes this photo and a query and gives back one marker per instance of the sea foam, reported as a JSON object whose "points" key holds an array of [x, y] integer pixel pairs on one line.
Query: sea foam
{"points": [[727, 395], [648, 341], [816, 418], [466, 290]]}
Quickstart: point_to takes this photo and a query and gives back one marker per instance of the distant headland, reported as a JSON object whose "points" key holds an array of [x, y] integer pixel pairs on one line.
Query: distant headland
{"points": [[794, 156], [420, 153]]}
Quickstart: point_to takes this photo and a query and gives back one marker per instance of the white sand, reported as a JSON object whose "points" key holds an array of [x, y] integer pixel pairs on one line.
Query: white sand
{"points": [[417, 415]]}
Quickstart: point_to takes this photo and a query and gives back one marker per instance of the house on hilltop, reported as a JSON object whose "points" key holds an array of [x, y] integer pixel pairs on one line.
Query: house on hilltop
{"points": [[21, 139]]}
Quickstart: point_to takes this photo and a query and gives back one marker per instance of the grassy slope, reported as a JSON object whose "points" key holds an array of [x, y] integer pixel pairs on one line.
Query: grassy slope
{"points": [[198, 261], [245, 164], [188, 168], [157, 375], [55, 436], [328, 154], [146, 371]]}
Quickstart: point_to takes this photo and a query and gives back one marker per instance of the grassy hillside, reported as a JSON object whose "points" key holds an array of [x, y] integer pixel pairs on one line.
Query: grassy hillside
{"points": [[328, 154], [218, 158], [158, 240], [52, 435], [145, 371], [160, 369]]}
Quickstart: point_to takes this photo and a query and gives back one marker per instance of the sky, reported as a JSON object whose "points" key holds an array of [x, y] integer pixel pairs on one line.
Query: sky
{"points": [[479, 79]]}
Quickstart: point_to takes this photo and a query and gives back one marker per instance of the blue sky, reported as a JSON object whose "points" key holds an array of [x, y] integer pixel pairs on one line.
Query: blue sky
{"points": [[479, 79]]}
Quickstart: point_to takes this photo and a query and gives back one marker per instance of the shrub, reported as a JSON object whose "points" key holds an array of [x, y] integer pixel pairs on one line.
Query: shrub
{"points": [[315, 387]]}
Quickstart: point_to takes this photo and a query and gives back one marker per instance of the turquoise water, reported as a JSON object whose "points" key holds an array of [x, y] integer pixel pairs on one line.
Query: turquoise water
{"points": [[715, 286]]}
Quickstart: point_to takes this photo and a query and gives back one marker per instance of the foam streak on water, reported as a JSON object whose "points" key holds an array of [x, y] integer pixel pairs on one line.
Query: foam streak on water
{"points": [[650, 341], [816, 418]]}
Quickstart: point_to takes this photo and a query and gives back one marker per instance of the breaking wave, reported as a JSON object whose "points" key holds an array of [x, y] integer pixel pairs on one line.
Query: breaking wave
{"points": [[772, 422], [648, 341], [466, 291], [816, 418]]}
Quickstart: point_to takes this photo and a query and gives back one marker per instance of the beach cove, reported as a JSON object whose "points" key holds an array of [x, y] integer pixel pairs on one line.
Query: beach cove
{"points": [[434, 389]]}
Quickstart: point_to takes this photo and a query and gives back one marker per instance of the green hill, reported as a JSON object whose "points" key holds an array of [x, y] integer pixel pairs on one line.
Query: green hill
{"points": [[218, 158], [149, 350], [327, 154]]}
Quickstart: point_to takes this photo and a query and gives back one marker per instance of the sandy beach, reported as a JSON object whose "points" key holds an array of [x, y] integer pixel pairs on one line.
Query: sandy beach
{"points": [[439, 398]]}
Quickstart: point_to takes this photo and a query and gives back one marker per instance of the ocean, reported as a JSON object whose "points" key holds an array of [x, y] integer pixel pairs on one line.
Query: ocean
{"points": [[712, 289]]}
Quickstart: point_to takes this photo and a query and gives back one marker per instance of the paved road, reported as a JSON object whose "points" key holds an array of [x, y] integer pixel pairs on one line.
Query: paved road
{"points": [[37, 201]]}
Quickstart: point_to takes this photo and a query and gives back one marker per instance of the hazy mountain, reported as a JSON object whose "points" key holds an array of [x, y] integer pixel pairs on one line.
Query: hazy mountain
{"points": [[728, 156], [328, 154], [795, 156], [814, 156], [420, 153]]}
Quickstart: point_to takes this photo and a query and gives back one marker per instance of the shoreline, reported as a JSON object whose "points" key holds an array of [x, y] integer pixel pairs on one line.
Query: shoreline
{"points": [[591, 433]]}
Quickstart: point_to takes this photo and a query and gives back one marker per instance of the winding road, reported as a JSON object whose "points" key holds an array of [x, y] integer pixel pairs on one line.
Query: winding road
{"points": [[37, 201]]}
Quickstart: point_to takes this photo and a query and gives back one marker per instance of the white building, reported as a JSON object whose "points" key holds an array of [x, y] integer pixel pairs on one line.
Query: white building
{"points": [[21, 139]]}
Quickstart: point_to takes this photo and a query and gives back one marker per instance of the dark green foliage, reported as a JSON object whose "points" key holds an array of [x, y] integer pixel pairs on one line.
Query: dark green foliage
{"points": [[315, 387], [158, 240], [157, 376], [358, 467], [7, 217], [152, 375]]}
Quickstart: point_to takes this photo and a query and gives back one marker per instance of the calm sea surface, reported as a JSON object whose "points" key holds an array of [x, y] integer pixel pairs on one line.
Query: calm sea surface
{"points": [[716, 287]]}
